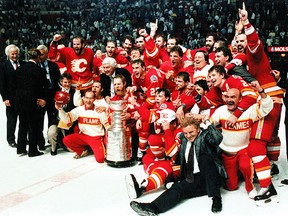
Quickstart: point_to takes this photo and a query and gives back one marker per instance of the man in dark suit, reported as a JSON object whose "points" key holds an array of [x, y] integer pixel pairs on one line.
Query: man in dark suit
{"points": [[199, 173], [52, 76], [31, 96], [110, 71], [7, 89]]}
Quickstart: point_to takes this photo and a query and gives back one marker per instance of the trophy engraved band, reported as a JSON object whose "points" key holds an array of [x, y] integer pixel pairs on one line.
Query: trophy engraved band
{"points": [[118, 148]]}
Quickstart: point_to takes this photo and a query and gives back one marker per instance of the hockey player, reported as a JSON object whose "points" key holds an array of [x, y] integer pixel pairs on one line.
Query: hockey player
{"points": [[236, 139], [91, 125], [181, 98], [174, 66], [159, 158], [264, 133], [221, 84], [148, 116], [78, 60]]}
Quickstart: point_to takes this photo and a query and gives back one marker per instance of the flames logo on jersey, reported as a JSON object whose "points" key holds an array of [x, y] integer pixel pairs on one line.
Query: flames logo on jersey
{"points": [[78, 65], [153, 79], [163, 106]]}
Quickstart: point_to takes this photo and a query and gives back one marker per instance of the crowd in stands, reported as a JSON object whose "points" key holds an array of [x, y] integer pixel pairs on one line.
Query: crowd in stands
{"points": [[28, 23]]}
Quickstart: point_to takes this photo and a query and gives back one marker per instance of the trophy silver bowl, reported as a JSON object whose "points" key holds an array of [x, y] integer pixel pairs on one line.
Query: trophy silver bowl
{"points": [[119, 147]]}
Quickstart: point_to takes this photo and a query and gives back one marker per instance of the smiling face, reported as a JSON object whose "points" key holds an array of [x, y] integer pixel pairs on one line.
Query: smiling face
{"points": [[110, 49], [175, 59], [127, 45], [199, 90], [232, 98], [160, 98], [216, 78], [89, 98], [180, 83], [220, 59], [13, 54], [66, 83], [139, 43], [160, 42], [209, 42], [170, 43], [108, 69], [199, 60], [119, 86], [96, 88], [138, 70], [191, 132], [77, 46], [241, 42]]}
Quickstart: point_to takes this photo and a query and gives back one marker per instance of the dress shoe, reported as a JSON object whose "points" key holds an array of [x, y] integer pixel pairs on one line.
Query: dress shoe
{"points": [[42, 148], [22, 153], [53, 153], [216, 205], [35, 154], [145, 209], [13, 145]]}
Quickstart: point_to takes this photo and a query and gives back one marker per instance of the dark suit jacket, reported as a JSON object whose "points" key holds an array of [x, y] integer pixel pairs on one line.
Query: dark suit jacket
{"points": [[207, 142], [31, 84], [106, 81], [54, 76], [8, 81]]}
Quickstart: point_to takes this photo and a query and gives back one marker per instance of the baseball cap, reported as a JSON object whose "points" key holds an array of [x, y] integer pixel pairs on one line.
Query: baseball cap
{"points": [[166, 115]]}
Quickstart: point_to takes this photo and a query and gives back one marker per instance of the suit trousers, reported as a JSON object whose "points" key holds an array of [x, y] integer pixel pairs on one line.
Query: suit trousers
{"points": [[206, 182], [27, 123], [11, 116], [51, 114]]}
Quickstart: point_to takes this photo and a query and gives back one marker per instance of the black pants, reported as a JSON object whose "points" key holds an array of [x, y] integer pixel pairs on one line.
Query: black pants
{"points": [[207, 182], [27, 123], [11, 116], [52, 115]]}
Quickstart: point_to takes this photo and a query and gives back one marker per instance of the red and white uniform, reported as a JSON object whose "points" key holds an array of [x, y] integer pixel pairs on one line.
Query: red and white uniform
{"points": [[91, 125], [149, 116], [201, 73], [259, 67], [185, 99], [159, 158], [153, 55], [167, 66], [235, 140], [214, 96], [239, 59], [151, 82], [78, 66]]}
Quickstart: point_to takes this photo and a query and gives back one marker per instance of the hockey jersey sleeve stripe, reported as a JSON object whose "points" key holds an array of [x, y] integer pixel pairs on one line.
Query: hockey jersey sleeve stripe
{"points": [[249, 30], [255, 49]]}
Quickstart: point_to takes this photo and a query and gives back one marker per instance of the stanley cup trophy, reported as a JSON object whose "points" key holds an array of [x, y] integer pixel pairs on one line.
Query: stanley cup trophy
{"points": [[119, 149]]}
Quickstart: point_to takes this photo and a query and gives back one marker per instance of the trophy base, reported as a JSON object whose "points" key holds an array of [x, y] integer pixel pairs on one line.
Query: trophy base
{"points": [[120, 164]]}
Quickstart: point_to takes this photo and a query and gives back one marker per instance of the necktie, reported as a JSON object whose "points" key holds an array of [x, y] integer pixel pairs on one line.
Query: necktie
{"points": [[112, 92], [43, 65], [47, 74], [16, 65]]}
